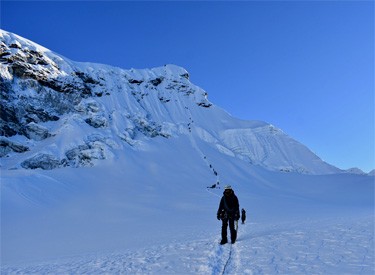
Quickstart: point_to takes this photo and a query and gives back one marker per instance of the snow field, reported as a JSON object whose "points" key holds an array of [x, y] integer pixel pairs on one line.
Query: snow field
{"points": [[137, 203], [146, 214], [313, 247]]}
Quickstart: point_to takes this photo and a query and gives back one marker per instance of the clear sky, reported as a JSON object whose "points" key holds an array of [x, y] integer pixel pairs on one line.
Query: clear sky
{"points": [[306, 67]]}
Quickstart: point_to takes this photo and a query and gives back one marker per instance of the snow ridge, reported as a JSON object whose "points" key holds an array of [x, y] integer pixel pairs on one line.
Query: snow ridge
{"points": [[93, 112]]}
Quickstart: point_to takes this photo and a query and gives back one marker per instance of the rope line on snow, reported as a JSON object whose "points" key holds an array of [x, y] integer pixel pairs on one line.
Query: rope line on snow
{"points": [[228, 260]]}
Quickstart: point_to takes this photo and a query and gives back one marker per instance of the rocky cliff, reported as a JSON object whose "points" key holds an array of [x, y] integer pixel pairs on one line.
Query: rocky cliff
{"points": [[58, 113]]}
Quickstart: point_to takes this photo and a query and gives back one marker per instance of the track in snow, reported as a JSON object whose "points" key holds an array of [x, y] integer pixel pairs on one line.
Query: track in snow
{"points": [[228, 260], [225, 259], [318, 247], [219, 261]]}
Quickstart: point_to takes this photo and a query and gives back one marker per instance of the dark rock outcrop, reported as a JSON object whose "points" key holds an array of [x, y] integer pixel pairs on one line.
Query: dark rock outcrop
{"points": [[7, 146], [42, 161], [43, 94], [36, 132]]}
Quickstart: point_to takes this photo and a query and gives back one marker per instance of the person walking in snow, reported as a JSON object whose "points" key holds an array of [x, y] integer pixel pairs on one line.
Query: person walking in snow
{"points": [[228, 213], [243, 216]]}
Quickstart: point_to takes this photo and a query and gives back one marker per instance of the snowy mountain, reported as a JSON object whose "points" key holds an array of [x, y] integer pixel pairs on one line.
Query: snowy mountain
{"points": [[355, 170], [105, 171], [59, 113]]}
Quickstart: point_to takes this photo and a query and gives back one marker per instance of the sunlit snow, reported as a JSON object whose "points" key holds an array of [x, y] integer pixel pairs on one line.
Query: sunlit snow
{"points": [[123, 188]]}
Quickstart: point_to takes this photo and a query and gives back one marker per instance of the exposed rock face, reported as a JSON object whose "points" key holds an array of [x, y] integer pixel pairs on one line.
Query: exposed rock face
{"points": [[59, 113], [43, 161], [36, 132], [84, 155], [7, 146], [39, 88]]}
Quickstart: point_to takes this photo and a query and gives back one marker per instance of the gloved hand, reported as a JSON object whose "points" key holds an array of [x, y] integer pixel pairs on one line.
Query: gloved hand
{"points": [[237, 216], [218, 216]]}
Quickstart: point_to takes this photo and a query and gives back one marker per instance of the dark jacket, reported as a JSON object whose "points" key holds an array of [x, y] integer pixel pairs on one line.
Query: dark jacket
{"points": [[243, 215], [229, 207]]}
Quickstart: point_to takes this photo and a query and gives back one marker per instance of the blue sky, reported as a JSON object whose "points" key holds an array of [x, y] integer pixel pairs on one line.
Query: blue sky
{"points": [[305, 67]]}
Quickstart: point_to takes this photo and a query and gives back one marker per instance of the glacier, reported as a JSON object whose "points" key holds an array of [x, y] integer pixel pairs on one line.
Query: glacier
{"points": [[105, 170]]}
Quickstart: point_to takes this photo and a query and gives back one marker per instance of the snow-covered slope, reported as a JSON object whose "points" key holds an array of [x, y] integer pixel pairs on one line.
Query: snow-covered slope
{"points": [[105, 170], [153, 214], [58, 113]]}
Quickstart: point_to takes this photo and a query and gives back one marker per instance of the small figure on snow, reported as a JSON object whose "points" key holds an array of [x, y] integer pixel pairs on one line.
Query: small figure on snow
{"points": [[214, 186], [243, 216], [228, 212]]}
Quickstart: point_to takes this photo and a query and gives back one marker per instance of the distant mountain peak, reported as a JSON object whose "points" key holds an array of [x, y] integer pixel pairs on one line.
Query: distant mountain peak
{"points": [[355, 170]]}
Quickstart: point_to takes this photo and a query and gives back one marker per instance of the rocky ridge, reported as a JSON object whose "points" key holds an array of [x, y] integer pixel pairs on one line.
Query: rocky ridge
{"points": [[57, 113]]}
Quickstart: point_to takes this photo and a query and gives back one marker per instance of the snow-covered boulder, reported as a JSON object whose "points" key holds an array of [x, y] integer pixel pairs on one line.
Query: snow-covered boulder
{"points": [[7, 146], [42, 161]]}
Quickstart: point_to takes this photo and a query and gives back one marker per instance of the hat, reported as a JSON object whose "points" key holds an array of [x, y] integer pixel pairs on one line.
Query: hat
{"points": [[227, 187]]}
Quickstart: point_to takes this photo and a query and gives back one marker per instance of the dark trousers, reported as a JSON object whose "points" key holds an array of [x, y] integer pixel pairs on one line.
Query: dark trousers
{"points": [[233, 232]]}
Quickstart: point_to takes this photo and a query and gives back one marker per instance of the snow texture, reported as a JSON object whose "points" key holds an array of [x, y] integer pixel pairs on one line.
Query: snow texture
{"points": [[106, 171], [341, 247]]}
